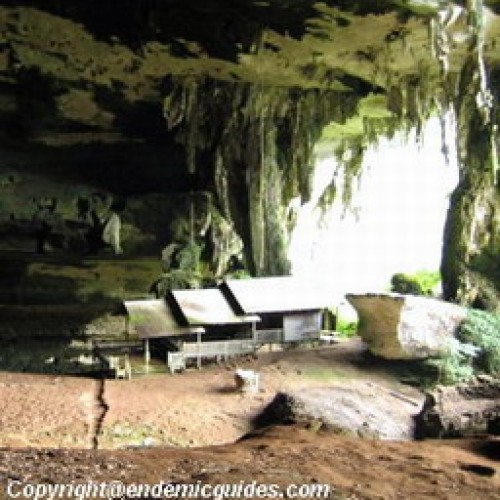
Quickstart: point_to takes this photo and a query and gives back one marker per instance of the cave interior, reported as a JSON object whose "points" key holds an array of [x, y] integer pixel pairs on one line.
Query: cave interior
{"points": [[198, 124]]}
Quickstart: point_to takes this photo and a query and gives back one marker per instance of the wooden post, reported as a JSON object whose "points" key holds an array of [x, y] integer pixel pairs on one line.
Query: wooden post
{"points": [[127, 327], [147, 354], [198, 340], [254, 336]]}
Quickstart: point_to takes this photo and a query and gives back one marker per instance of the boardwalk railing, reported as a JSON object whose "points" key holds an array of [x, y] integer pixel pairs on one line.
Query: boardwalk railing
{"points": [[223, 349], [217, 349]]}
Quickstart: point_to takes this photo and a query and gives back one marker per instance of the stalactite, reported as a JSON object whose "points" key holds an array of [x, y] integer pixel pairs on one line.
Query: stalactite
{"points": [[395, 101], [352, 168], [440, 39], [349, 155], [440, 42], [224, 121], [257, 143]]}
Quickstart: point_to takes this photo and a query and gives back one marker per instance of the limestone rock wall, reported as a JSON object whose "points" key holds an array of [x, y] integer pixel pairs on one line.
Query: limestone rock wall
{"points": [[471, 249]]}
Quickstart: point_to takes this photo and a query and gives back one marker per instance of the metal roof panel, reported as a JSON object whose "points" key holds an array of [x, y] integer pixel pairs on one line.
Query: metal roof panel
{"points": [[276, 294], [154, 319], [208, 306]]}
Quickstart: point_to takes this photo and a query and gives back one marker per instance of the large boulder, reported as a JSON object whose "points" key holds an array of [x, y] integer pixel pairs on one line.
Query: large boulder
{"points": [[364, 410], [398, 326], [462, 410]]}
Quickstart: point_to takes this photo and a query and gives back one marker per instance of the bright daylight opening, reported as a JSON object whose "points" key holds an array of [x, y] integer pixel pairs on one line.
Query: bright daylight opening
{"points": [[395, 224]]}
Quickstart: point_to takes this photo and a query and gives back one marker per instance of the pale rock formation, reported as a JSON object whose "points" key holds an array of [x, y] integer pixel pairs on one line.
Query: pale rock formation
{"points": [[111, 233], [398, 326]]}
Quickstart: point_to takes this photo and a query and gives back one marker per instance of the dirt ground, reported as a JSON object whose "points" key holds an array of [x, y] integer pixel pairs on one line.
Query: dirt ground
{"points": [[195, 426]]}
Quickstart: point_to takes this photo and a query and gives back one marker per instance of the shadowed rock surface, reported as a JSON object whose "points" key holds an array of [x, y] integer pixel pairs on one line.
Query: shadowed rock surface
{"points": [[366, 411], [466, 409]]}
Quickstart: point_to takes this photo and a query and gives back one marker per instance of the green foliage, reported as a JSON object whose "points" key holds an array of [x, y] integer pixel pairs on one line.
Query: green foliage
{"points": [[420, 283], [188, 258], [403, 283], [476, 350], [341, 319], [482, 329], [428, 280], [346, 327], [454, 366], [175, 280], [186, 272]]}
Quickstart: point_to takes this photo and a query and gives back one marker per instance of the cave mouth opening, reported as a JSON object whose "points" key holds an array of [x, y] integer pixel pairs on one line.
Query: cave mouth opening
{"points": [[395, 221]]}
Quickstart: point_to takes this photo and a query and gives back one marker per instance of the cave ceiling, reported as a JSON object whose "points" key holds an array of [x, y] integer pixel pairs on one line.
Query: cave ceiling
{"points": [[232, 96], [102, 66]]}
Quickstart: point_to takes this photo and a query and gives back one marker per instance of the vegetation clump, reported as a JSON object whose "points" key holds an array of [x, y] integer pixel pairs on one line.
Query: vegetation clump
{"points": [[482, 329], [475, 350], [421, 283], [346, 327]]}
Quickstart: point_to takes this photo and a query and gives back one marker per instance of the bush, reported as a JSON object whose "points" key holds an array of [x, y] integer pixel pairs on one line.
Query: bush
{"points": [[475, 350], [482, 329], [346, 327], [420, 283], [403, 283], [455, 364], [174, 280]]}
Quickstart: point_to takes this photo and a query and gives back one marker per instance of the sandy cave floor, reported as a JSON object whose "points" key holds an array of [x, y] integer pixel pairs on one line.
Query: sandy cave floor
{"points": [[193, 422]]}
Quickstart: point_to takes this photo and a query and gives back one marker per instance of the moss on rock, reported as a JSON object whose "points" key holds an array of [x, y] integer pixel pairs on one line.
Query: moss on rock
{"points": [[256, 178]]}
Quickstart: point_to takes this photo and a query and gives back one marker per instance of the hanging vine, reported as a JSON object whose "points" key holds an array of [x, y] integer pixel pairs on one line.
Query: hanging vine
{"points": [[255, 143]]}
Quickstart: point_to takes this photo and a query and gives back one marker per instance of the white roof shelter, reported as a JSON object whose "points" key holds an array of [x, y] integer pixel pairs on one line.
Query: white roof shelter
{"points": [[208, 306], [274, 295], [154, 319]]}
